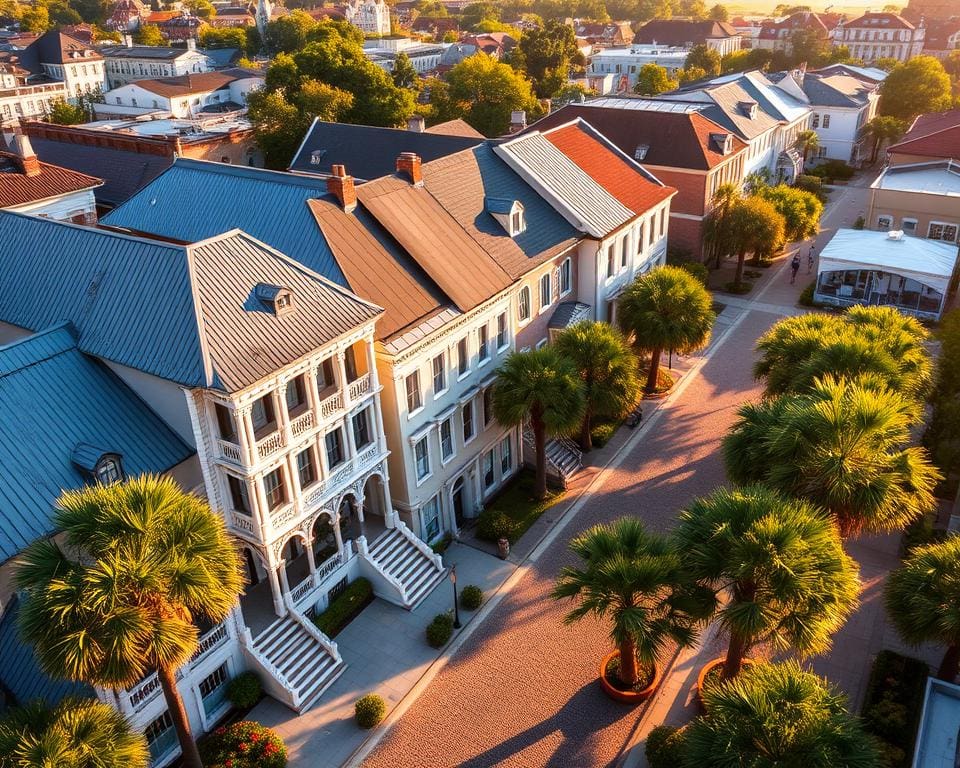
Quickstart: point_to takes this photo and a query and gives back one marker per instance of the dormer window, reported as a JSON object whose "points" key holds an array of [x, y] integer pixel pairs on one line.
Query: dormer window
{"points": [[722, 142], [749, 108], [316, 157], [641, 151], [278, 299], [109, 470], [97, 464], [509, 213]]}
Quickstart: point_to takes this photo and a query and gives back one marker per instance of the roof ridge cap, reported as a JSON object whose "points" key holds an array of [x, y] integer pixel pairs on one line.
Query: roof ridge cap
{"points": [[205, 360]]}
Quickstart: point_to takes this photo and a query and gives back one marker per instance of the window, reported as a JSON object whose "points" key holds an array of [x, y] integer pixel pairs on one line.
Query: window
{"points": [[610, 261], [816, 121], [517, 224], [414, 402], [333, 441], [213, 690], [262, 412], [566, 276], [826, 121], [463, 359], [439, 375], [909, 225], [306, 471], [430, 515], [488, 474], [885, 222], [325, 377], [350, 364], [446, 440], [361, 429], [502, 340], [421, 455], [274, 489], [524, 304], [108, 471], [239, 494], [161, 736], [940, 231], [295, 394], [487, 406], [467, 415], [483, 339], [640, 231], [663, 221], [506, 456], [225, 423], [624, 252], [546, 291], [650, 239]]}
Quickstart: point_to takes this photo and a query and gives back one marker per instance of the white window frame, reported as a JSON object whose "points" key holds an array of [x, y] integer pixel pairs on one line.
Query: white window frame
{"points": [[942, 224], [442, 373], [541, 344], [473, 422], [433, 503], [447, 458], [566, 269], [524, 292], [503, 331], [884, 218], [425, 443], [488, 455], [546, 281], [463, 358], [483, 345], [410, 392], [508, 442], [903, 224], [624, 252]]}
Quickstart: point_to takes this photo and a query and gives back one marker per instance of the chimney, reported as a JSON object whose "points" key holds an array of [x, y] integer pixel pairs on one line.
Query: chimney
{"points": [[127, 40], [191, 44], [27, 157], [518, 120], [341, 185], [417, 124], [409, 163]]}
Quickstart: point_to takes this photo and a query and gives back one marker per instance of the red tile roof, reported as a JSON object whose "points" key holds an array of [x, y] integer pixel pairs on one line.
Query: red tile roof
{"points": [[16, 188], [932, 135], [880, 21], [611, 170]]}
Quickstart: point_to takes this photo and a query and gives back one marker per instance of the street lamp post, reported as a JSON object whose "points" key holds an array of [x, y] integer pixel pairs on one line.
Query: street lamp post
{"points": [[456, 607]]}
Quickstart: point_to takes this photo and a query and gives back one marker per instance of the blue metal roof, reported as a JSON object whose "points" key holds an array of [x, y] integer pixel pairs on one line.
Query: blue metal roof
{"points": [[193, 200], [53, 398], [21, 674]]}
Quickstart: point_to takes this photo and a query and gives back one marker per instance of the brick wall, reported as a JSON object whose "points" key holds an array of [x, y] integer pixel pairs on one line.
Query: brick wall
{"points": [[688, 234]]}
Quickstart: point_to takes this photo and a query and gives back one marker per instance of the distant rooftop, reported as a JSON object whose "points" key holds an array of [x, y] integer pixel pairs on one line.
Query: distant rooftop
{"points": [[937, 739], [938, 178]]}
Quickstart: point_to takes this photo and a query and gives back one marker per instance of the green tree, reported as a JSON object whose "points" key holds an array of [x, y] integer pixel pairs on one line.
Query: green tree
{"points": [[718, 234], [61, 14], [886, 63], [289, 33], [915, 87], [475, 13], [952, 64], [738, 61], [635, 580], [806, 142], [141, 562], [72, 734], [35, 19], [149, 34], [777, 716], [758, 228], [653, 79], [691, 75], [923, 600], [201, 8], [546, 54], [781, 561], [543, 386], [667, 308], [719, 13], [801, 210], [884, 129], [702, 57], [404, 74], [486, 92], [808, 45], [608, 369], [942, 436], [695, 9], [64, 113], [844, 446], [225, 37]]}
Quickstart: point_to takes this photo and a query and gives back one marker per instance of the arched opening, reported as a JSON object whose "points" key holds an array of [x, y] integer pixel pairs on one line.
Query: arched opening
{"points": [[458, 497], [253, 577], [324, 538], [296, 563], [349, 520]]}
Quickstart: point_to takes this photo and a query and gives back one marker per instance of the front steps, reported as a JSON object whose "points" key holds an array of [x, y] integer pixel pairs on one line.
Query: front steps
{"points": [[409, 566]]}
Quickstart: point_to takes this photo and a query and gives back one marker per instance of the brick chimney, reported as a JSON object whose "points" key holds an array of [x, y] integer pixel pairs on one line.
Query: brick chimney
{"points": [[25, 154], [417, 124], [341, 185], [409, 163]]}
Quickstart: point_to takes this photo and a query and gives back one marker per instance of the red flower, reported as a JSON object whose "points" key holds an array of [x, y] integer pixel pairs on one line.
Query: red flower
{"points": [[254, 736]]}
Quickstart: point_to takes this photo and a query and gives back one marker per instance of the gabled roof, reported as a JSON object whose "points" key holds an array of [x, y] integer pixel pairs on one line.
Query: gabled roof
{"points": [[866, 74], [932, 135], [185, 313], [16, 188], [53, 398], [873, 20], [675, 139], [199, 82], [157, 52], [456, 127], [54, 47], [832, 90], [369, 152], [196, 199], [683, 31]]}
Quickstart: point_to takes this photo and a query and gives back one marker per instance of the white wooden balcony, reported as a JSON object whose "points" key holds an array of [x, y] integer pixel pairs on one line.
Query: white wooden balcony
{"points": [[359, 387]]}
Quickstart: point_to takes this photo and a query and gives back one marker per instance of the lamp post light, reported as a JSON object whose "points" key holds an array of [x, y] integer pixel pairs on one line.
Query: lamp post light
{"points": [[456, 606]]}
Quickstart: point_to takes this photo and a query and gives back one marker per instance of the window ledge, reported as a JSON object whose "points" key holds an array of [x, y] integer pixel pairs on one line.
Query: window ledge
{"points": [[414, 413], [440, 393], [422, 480], [483, 362]]}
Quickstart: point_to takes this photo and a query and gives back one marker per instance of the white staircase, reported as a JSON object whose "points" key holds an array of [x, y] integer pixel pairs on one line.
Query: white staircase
{"points": [[410, 568], [564, 457], [303, 660]]}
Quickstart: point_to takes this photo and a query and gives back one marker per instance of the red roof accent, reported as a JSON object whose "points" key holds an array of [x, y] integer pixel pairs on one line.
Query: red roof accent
{"points": [[16, 188], [934, 135], [871, 21], [611, 170]]}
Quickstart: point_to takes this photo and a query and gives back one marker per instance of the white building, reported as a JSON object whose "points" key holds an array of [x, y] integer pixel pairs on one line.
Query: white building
{"points": [[52, 58], [425, 57], [128, 63], [880, 36], [625, 63], [24, 96], [372, 17], [187, 96]]}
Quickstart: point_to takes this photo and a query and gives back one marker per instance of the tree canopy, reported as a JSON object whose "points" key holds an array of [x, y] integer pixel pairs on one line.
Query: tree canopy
{"points": [[801, 210], [653, 79], [704, 58], [149, 34], [546, 54], [915, 87]]}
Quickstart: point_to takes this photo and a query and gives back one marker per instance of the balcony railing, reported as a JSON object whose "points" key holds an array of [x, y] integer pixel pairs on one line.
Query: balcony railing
{"points": [[270, 444], [302, 423], [230, 451], [359, 387], [241, 521], [330, 405]]}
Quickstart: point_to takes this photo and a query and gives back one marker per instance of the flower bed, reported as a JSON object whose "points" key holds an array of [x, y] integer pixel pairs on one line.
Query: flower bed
{"points": [[892, 706], [245, 744], [345, 608]]}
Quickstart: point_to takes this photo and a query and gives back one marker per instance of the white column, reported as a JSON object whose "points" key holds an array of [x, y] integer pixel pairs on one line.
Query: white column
{"points": [[280, 409], [296, 492], [263, 509], [342, 378], [247, 438], [284, 584], [310, 384], [279, 607], [337, 534]]}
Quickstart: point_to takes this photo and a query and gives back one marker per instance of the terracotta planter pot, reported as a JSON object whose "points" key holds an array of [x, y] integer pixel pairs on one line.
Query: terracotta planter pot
{"points": [[709, 667], [627, 697]]}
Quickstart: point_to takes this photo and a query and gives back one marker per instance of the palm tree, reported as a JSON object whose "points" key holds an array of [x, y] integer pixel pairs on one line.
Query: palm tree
{"points": [[806, 142], [777, 716], [636, 580], [667, 308], [790, 582], [607, 367], [923, 600], [843, 447], [718, 235], [543, 386], [73, 734], [141, 561]]}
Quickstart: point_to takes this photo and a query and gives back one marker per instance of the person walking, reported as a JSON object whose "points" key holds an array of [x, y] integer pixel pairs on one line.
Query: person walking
{"points": [[794, 268], [810, 256]]}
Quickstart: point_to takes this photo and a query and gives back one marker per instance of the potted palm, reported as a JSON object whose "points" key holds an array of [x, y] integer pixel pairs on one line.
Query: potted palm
{"points": [[635, 580]]}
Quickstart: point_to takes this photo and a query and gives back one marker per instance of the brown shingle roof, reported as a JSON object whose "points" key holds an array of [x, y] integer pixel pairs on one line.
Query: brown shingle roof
{"points": [[932, 135], [683, 31], [16, 188], [456, 127], [184, 85]]}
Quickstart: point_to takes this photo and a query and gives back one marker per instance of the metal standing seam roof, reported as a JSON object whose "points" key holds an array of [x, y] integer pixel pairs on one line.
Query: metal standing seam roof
{"points": [[587, 204], [185, 313], [40, 434], [195, 199]]}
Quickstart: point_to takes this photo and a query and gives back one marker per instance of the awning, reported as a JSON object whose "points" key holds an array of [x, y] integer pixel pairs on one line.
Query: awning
{"points": [[567, 314]]}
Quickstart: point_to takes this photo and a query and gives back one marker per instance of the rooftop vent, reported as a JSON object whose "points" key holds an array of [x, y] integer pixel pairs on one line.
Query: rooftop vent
{"points": [[641, 151], [278, 299], [895, 234], [316, 157]]}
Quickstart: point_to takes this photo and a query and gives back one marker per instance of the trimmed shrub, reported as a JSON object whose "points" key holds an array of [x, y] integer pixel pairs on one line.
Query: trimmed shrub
{"points": [[860, 223], [369, 710], [738, 288], [806, 296], [494, 524], [440, 630], [696, 269], [244, 744], [833, 169], [245, 690], [602, 431], [345, 608], [887, 718], [470, 597], [664, 747]]}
